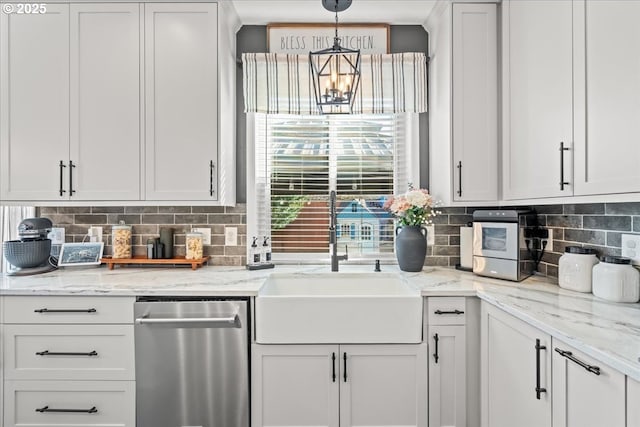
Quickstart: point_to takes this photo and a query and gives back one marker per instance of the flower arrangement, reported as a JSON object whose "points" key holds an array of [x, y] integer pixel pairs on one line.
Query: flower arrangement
{"points": [[414, 208]]}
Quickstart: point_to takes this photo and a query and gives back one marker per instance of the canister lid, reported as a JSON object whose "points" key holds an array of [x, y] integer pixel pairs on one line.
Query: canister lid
{"points": [[615, 259], [580, 250]]}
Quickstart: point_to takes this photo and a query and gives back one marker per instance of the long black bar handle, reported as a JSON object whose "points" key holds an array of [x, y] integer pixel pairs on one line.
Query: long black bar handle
{"points": [[591, 368], [62, 190], [459, 178], [71, 167], [92, 410], [211, 170], [562, 150], [52, 353], [333, 367], [436, 338], [48, 310], [440, 312], [344, 358], [539, 390]]}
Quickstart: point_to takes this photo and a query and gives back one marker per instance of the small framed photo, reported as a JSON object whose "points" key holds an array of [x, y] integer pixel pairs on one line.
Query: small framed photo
{"points": [[78, 254]]}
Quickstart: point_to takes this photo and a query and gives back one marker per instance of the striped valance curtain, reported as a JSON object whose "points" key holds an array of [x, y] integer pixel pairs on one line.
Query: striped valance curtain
{"points": [[277, 83]]}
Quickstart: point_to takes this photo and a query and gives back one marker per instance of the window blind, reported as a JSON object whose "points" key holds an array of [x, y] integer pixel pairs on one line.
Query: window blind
{"points": [[299, 159]]}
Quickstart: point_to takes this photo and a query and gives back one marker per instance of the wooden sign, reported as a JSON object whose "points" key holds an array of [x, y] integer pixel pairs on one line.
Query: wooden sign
{"points": [[302, 38]]}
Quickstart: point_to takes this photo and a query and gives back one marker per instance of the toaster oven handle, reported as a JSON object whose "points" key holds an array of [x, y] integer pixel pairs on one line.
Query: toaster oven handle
{"points": [[71, 166], [62, 166]]}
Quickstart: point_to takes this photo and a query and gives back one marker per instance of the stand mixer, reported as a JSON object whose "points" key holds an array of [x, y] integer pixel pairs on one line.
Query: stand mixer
{"points": [[30, 254]]}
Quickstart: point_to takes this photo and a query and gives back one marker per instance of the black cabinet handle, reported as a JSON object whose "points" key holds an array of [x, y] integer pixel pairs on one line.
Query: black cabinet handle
{"points": [[211, 170], [71, 167], [333, 367], [47, 310], [562, 181], [51, 353], [440, 312], [539, 389], [435, 355], [344, 357], [459, 178], [92, 410], [62, 190], [569, 355]]}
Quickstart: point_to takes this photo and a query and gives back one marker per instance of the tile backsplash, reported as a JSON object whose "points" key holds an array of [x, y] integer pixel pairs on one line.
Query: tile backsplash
{"points": [[596, 225], [146, 222]]}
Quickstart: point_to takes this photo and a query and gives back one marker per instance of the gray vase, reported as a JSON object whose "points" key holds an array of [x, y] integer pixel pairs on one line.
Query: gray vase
{"points": [[411, 247]]}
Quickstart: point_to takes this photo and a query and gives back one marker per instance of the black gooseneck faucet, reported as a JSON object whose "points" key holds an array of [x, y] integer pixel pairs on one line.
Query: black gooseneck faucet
{"points": [[333, 240]]}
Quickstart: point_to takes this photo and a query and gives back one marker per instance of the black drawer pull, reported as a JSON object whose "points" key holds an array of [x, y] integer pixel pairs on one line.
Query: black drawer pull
{"points": [[92, 410], [539, 389], [48, 310], [52, 353], [569, 355], [440, 312]]}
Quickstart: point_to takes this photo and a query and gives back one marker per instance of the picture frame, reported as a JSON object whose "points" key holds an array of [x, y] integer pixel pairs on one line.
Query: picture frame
{"points": [[80, 254], [300, 38]]}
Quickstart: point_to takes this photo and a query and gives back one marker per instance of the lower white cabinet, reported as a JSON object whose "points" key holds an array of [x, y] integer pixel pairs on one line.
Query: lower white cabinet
{"points": [[69, 403], [515, 372], [586, 393], [339, 385], [633, 397]]}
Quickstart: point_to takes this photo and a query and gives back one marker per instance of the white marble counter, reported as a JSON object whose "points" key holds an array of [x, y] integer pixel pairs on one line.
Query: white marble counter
{"points": [[609, 332]]}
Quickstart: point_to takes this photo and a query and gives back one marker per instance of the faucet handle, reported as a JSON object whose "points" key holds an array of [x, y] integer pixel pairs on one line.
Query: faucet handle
{"points": [[346, 252], [377, 268]]}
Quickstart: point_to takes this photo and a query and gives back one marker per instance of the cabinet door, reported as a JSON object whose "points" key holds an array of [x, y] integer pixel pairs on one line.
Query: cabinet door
{"points": [[294, 385], [607, 153], [537, 97], [105, 101], [633, 397], [383, 385], [447, 376], [509, 372], [475, 102], [585, 396], [34, 104], [181, 101]]}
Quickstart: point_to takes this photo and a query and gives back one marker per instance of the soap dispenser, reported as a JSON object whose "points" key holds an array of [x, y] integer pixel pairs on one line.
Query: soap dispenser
{"points": [[254, 253], [266, 250]]}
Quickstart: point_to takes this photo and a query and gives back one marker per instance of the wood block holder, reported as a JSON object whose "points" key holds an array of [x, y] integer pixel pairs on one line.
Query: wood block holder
{"points": [[143, 260]]}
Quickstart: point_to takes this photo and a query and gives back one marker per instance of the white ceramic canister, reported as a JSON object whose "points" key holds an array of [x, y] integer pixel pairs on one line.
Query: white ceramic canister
{"points": [[615, 279], [575, 268]]}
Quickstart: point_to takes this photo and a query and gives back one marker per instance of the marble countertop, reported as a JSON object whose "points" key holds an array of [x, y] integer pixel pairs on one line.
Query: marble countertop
{"points": [[609, 332]]}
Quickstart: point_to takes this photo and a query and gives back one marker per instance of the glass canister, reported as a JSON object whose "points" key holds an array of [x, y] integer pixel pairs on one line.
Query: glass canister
{"points": [[121, 240], [615, 279], [194, 248], [575, 268]]}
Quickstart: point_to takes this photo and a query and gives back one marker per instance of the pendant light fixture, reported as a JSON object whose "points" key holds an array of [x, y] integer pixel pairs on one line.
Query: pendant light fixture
{"points": [[335, 71]]}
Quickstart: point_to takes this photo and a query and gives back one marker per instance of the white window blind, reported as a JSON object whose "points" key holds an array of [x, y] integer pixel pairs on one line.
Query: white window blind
{"points": [[299, 159]]}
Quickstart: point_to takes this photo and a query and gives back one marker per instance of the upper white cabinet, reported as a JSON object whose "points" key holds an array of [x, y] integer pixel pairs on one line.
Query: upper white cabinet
{"points": [[537, 97], [181, 101], [515, 372], [463, 125], [607, 96], [71, 113], [586, 393]]}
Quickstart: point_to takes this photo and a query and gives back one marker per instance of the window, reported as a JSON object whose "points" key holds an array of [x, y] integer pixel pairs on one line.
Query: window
{"points": [[300, 159]]}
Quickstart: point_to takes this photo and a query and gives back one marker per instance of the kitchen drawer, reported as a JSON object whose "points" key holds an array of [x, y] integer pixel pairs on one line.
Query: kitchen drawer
{"points": [[68, 309], [112, 403], [446, 310], [105, 352]]}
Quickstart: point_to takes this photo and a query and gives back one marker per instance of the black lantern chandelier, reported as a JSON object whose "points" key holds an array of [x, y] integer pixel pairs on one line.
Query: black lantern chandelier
{"points": [[335, 71]]}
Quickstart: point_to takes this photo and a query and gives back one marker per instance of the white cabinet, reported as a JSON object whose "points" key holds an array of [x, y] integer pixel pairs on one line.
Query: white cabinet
{"points": [[463, 124], [181, 83], [515, 372], [586, 393], [607, 86], [447, 376], [537, 98], [71, 115], [339, 385], [633, 397]]}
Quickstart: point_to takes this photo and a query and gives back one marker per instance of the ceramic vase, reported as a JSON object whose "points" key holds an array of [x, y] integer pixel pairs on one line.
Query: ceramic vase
{"points": [[411, 247]]}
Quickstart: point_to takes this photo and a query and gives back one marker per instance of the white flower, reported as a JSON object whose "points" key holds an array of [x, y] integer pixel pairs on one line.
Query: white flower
{"points": [[418, 198]]}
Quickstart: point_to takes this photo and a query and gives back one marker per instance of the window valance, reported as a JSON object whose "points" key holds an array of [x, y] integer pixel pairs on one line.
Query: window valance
{"points": [[276, 83]]}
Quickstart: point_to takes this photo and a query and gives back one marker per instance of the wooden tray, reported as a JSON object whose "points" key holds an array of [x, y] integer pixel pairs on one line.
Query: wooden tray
{"points": [[142, 260]]}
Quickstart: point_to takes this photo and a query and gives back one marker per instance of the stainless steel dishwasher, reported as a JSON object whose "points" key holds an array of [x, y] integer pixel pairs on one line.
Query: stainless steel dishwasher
{"points": [[192, 362]]}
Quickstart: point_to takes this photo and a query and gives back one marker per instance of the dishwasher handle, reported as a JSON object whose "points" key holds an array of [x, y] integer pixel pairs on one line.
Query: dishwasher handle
{"points": [[232, 321]]}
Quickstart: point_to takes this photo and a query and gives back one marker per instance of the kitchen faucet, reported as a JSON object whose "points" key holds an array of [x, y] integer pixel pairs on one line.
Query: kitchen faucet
{"points": [[333, 240]]}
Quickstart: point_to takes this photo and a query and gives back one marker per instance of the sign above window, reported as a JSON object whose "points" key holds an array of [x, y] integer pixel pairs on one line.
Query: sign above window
{"points": [[300, 39]]}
